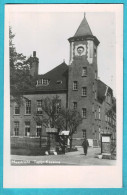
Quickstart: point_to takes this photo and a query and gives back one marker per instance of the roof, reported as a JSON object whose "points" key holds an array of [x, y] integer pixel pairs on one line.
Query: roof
{"points": [[102, 88], [83, 29], [58, 79]]}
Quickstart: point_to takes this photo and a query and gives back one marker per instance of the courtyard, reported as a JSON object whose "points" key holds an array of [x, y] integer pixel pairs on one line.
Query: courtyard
{"points": [[70, 158]]}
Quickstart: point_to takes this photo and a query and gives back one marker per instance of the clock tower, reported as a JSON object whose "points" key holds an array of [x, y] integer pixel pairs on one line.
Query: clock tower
{"points": [[83, 74]]}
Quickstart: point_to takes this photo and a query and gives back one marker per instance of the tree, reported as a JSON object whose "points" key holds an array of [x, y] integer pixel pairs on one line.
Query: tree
{"points": [[111, 115], [48, 116], [69, 119], [20, 78]]}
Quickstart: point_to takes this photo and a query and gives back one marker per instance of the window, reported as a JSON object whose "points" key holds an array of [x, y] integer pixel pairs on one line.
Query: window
{"points": [[93, 107], [99, 112], [42, 82], [95, 52], [58, 106], [106, 117], [84, 71], [17, 109], [84, 91], [45, 81], [84, 112], [93, 131], [95, 94], [27, 128], [16, 128], [28, 107], [75, 85], [93, 87], [84, 132], [39, 82], [95, 114], [59, 82], [108, 98], [99, 133], [95, 74], [39, 106], [38, 129], [91, 49], [74, 105]]}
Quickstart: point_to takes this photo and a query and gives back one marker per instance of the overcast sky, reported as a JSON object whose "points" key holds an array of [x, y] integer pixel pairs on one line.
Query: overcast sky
{"points": [[48, 33]]}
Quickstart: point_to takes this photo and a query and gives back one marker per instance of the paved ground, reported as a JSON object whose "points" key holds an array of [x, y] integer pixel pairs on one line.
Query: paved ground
{"points": [[70, 158]]}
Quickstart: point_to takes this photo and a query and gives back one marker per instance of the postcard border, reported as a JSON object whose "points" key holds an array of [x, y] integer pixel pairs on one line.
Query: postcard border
{"points": [[65, 190]]}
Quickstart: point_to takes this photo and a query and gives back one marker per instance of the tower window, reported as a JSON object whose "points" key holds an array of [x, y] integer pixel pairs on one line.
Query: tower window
{"points": [[27, 128], [95, 74], [95, 94], [95, 52], [84, 71], [74, 105], [75, 85], [84, 112], [16, 128], [95, 114], [93, 87], [28, 107], [99, 112], [84, 91], [93, 107], [39, 106]]}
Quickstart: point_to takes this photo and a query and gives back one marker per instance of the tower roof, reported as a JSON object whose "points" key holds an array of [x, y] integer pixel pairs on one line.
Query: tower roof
{"points": [[83, 28]]}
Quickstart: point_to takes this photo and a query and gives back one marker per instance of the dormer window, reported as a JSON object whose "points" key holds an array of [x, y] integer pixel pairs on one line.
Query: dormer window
{"points": [[59, 82], [43, 82]]}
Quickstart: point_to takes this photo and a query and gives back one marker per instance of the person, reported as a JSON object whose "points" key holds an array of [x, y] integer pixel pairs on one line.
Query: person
{"points": [[85, 145]]}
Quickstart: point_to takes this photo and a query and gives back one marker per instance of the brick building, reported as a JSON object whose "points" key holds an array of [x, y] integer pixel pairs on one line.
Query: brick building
{"points": [[77, 86]]}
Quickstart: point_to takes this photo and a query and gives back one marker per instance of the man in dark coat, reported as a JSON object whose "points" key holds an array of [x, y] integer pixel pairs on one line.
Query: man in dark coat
{"points": [[85, 145]]}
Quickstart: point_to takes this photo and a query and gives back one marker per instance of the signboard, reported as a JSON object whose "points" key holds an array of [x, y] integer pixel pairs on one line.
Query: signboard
{"points": [[106, 144], [51, 130], [64, 132], [105, 139]]}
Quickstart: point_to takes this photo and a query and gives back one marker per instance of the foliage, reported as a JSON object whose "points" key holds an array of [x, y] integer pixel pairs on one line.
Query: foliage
{"points": [[20, 78]]}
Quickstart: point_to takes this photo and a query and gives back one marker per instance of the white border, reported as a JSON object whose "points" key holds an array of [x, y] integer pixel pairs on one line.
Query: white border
{"points": [[65, 176]]}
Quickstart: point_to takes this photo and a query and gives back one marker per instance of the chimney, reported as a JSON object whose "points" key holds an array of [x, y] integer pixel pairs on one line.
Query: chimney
{"points": [[34, 65], [34, 53]]}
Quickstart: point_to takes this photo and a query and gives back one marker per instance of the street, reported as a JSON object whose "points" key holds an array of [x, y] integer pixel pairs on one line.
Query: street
{"points": [[70, 158]]}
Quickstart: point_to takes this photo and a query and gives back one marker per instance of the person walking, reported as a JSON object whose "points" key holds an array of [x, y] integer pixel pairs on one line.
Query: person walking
{"points": [[85, 145]]}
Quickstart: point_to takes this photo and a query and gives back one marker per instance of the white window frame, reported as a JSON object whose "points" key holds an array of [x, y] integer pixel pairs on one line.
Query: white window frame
{"points": [[84, 91], [75, 85], [27, 128], [28, 107], [16, 106], [84, 113], [38, 127], [39, 106], [84, 71], [74, 105], [16, 128]]}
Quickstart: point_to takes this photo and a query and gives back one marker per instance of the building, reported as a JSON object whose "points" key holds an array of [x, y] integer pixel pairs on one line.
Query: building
{"points": [[77, 86]]}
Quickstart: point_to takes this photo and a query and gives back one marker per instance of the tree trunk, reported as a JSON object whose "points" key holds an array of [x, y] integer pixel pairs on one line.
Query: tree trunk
{"points": [[71, 142], [40, 140], [40, 137]]}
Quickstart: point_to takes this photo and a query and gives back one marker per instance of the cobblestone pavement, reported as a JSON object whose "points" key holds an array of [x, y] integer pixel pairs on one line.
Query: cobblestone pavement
{"points": [[70, 158]]}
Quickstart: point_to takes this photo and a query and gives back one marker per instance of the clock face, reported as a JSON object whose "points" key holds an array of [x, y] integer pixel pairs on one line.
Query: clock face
{"points": [[80, 50]]}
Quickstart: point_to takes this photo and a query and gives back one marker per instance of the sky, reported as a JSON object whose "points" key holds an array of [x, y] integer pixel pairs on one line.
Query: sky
{"points": [[48, 33]]}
